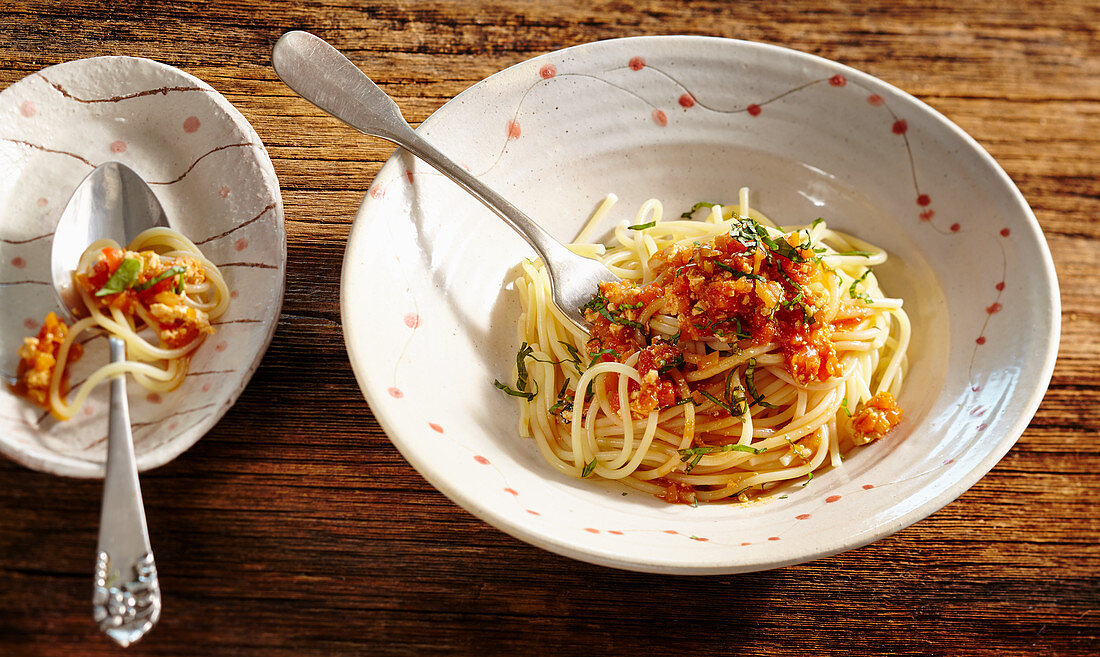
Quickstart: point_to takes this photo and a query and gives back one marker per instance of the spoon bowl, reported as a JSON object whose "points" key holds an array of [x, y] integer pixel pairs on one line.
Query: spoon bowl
{"points": [[112, 202]]}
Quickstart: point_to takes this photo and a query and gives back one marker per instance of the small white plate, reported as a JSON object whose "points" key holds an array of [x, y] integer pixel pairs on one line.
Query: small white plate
{"points": [[429, 321], [215, 180]]}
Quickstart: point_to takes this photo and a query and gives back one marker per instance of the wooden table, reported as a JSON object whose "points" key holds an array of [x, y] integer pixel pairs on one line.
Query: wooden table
{"points": [[295, 528]]}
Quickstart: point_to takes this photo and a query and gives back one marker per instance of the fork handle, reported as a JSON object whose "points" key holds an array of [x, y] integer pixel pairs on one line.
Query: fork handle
{"points": [[325, 77], [126, 595]]}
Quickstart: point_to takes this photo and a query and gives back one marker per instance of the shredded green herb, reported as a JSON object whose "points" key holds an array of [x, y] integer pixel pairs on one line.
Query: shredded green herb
{"points": [[596, 357], [865, 254], [694, 208], [122, 279], [675, 362], [844, 405], [852, 288], [809, 478], [514, 392], [599, 303], [651, 224], [167, 273], [750, 385], [588, 468]]}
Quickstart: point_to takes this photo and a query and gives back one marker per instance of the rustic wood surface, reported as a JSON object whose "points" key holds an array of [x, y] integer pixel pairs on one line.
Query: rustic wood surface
{"points": [[304, 532]]}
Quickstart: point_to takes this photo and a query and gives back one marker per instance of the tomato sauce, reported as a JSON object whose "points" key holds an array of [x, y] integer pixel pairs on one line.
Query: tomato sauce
{"points": [[742, 288]]}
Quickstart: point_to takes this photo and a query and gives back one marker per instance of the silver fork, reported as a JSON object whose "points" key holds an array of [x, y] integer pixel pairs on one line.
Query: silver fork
{"points": [[323, 76]]}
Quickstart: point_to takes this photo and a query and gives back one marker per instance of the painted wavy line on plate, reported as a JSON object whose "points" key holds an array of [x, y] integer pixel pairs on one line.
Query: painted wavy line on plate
{"points": [[43, 236], [28, 282], [268, 208], [698, 102], [115, 99], [513, 124], [40, 147], [254, 265], [138, 426], [235, 321], [199, 159]]}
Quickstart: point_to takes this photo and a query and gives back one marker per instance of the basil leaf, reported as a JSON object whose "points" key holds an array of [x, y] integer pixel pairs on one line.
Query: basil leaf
{"points": [[588, 468], [515, 393], [167, 273], [701, 204], [122, 279], [651, 224]]}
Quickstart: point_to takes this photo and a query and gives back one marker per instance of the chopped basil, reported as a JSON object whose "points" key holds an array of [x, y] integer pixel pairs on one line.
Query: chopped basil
{"points": [[600, 354], [852, 288], [588, 468], [599, 303], [737, 273], [817, 221], [525, 351], [694, 208], [675, 362], [865, 254], [167, 273], [680, 402], [809, 478], [721, 404], [122, 279], [692, 455], [513, 392], [844, 405], [574, 355], [750, 384], [642, 226]]}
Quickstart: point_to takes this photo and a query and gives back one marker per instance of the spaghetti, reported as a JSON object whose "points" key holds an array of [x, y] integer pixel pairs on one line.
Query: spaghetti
{"points": [[160, 282], [733, 357]]}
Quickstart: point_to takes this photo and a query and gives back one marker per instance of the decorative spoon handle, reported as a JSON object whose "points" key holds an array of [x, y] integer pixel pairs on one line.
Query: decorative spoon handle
{"points": [[126, 597]]}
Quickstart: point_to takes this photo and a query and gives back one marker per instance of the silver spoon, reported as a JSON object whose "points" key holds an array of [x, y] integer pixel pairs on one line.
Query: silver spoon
{"points": [[114, 202], [324, 77]]}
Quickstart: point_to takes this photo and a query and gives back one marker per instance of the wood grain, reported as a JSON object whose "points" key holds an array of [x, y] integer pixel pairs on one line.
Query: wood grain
{"points": [[303, 532]]}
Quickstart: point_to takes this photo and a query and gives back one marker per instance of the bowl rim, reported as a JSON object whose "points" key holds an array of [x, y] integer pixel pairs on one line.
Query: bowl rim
{"points": [[554, 543]]}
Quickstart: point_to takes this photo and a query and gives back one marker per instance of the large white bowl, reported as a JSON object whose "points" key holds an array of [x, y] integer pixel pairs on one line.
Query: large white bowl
{"points": [[429, 321], [214, 178]]}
